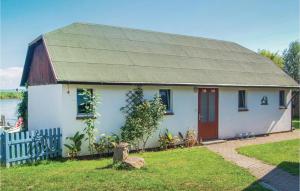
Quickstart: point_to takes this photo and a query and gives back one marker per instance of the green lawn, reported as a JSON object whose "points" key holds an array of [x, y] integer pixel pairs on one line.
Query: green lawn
{"points": [[180, 169], [284, 154], [296, 123]]}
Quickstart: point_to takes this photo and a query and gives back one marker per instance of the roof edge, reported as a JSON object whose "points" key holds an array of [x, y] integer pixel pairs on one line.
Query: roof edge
{"points": [[49, 57], [175, 84]]}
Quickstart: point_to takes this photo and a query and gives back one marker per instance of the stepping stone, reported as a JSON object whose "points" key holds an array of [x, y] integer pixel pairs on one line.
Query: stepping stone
{"points": [[213, 142]]}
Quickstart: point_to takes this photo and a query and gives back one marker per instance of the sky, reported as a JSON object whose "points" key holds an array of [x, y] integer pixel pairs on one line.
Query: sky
{"points": [[255, 24]]}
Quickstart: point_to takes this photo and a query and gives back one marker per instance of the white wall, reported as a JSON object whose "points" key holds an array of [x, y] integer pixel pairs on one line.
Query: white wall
{"points": [[259, 119], [113, 98], [44, 106], [56, 106]]}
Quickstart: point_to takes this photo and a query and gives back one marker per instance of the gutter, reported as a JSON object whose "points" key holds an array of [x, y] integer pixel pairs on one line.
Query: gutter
{"points": [[175, 84]]}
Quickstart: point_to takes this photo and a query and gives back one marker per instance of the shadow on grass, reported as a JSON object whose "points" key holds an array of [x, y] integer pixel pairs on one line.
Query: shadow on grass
{"points": [[284, 176], [110, 166], [117, 166], [256, 186], [291, 167], [120, 166]]}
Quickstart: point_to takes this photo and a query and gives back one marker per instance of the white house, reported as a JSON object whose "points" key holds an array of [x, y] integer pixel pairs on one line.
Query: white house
{"points": [[218, 88]]}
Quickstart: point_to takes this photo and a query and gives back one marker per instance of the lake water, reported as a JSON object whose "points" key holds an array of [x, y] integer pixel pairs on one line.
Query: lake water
{"points": [[8, 107]]}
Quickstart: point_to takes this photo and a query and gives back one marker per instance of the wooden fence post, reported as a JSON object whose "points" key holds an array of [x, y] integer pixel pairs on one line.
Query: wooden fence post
{"points": [[59, 142], [2, 148], [6, 139]]}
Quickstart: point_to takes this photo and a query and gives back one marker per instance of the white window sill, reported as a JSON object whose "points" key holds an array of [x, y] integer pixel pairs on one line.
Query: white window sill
{"points": [[85, 116], [282, 107]]}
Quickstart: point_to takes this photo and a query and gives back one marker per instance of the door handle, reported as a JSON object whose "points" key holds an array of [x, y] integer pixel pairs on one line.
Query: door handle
{"points": [[199, 116]]}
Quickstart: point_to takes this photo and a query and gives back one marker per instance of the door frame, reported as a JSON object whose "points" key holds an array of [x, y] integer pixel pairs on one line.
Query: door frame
{"points": [[216, 122]]}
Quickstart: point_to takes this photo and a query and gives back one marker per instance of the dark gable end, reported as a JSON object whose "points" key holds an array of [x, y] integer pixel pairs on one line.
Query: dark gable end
{"points": [[38, 69]]}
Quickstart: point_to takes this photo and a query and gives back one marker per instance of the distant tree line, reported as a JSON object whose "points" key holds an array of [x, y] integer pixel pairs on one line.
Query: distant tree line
{"points": [[10, 95], [289, 61]]}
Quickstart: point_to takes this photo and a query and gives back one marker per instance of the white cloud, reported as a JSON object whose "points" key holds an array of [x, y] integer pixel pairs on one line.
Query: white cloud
{"points": [[10, 77]]}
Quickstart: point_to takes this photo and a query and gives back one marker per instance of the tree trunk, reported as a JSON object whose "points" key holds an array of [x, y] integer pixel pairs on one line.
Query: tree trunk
{"points": [[144, 143]]}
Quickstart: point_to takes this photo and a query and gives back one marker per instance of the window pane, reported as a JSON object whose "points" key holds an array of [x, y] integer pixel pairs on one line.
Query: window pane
{"points": [[242, 99], [166, 98], [281, 98], [212, 106], [82, 101], [203, 106]]}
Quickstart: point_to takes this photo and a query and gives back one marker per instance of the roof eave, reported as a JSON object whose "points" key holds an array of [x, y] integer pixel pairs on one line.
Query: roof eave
{"points": [[175, 84]]}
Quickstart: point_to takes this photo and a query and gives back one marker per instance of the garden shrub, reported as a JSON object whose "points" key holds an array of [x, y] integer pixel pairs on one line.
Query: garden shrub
{"points": [[106, 143], [142, 118], [75, 145], [167, 140], [190, 138]]}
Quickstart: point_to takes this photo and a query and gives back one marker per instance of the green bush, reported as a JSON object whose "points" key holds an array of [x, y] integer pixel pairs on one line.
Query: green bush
{"points": [[167, 140], [142, 118], [75, 145], [106, 143]]}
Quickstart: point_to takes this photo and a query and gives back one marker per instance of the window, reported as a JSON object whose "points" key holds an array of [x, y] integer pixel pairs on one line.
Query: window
{"points": [[242, 100], [82, 102], [165, 96], [282, 103], [211, 106]]}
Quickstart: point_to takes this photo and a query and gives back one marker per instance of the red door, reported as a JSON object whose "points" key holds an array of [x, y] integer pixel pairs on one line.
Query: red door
{"points": [[207, 113]]}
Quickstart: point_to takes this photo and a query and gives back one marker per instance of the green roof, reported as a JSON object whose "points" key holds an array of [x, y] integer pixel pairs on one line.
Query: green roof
{"points": [[91, 53]]}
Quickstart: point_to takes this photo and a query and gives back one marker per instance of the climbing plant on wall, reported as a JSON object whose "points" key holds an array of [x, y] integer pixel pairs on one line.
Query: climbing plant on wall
{"points": [[142, 117], [90, 103], [130, 132]]}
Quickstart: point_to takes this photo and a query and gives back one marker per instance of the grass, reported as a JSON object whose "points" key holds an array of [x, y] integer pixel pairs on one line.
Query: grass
{"points": [[284, 154], [178, 169], [10, 95], [296, 123]]}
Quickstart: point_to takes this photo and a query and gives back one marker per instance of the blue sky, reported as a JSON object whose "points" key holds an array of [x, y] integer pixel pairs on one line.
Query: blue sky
{"points": [[255, 24]]}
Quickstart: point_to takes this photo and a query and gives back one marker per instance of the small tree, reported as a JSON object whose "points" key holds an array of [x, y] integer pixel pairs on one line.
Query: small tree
{"points": [[90, 103], [150, 114], [291, 57], [142, 118]]}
